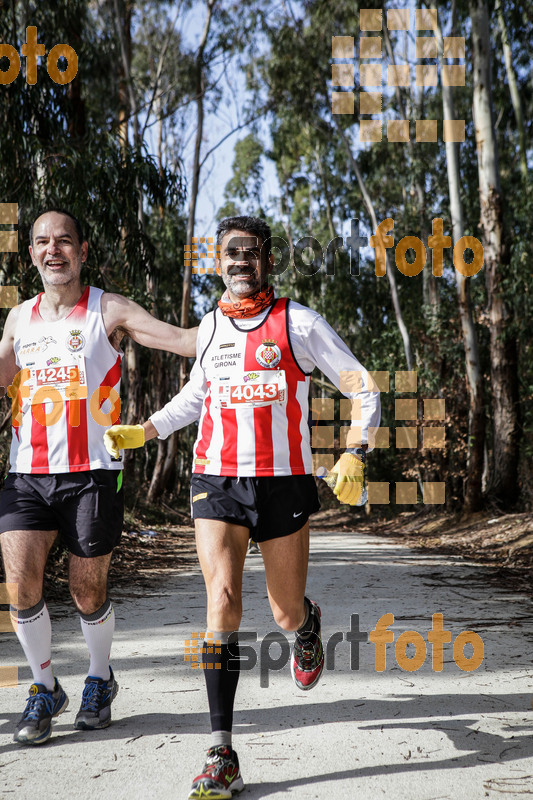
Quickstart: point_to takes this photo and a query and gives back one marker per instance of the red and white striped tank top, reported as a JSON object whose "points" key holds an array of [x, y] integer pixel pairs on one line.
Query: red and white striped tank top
{"points": [[67, 392], [254, 417]]}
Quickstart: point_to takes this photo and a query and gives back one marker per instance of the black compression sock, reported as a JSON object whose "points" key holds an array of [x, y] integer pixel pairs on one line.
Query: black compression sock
{"points": [[221, 680]]}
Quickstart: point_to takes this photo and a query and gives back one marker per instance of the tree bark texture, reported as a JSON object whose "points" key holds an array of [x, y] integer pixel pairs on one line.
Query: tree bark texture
{"points": [[503, 486], [476, 410]]}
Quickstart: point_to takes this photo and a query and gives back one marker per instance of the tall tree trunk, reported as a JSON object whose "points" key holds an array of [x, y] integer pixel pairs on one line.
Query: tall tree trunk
{"points": [[200, 90], [123, 25], [122, 14], [77, 121], [123, 28], [331, 228], [131, 415], [430, 284], [476, 411], [513, 86], [158, 395], [390, 272], [503, 356], [158, 486]]}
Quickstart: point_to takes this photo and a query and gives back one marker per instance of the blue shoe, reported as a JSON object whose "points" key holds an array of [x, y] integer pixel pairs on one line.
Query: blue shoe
{"points": [[95, 709], [35, 725]]}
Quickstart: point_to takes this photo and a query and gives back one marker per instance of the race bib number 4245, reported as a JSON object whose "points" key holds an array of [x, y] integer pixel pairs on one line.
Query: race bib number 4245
{"points": [[59, 376], [51, 376]]}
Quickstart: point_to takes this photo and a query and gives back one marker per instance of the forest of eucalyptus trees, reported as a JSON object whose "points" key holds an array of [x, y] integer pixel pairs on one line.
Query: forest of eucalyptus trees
{"points": [[131, 144]]}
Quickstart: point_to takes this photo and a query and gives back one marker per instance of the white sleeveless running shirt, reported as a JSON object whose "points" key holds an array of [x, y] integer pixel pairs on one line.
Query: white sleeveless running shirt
{"points": [[68, 389], [254, 418]]}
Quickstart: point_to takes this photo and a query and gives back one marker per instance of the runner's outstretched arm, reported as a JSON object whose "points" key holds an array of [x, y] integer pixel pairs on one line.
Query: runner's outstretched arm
{"points": [[184, 408], [129, 317]]}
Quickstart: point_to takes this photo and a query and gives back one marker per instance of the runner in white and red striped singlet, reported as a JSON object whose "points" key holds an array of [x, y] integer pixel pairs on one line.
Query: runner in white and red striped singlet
{"points": [[253, 467], [52, 351], [234, 437], [60, 356]]}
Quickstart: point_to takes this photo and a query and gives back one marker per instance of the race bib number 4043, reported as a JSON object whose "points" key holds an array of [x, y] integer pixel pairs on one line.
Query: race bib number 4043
{"points": [[261, 388]]}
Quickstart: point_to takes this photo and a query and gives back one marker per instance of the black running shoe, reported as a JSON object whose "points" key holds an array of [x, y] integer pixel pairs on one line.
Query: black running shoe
{"points": [[35, 725], [220, 778], [95, 709]]}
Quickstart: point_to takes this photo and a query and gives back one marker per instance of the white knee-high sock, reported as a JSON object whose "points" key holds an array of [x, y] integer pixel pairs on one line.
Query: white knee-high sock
{"points": [[34, 632], [98, 630]]}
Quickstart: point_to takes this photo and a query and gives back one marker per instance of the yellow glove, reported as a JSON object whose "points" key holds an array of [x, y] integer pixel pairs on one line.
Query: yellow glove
{"points": [[123, 437], [350, 474]]}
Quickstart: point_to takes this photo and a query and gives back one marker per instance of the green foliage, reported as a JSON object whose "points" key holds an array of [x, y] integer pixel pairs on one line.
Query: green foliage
{"points": [[47, 161], [61, 145], [245, 185], [319, 194]]}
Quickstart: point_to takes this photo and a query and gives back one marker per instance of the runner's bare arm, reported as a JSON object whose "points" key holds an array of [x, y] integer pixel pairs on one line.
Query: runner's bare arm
{"points": [[125, 315], [8, 364]]}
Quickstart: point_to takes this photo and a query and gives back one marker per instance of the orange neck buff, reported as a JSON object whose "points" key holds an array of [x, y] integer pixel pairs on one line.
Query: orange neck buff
{"points": [[248, 306]]}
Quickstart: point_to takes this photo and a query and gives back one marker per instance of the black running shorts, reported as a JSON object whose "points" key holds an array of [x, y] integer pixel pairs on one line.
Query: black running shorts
{"points": [[87, 508], [269, 507]]}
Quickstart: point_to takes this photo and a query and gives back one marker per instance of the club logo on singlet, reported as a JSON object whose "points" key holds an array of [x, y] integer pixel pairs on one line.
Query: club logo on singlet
{"points": [[75, 341], [268, 354], [35, 347]]}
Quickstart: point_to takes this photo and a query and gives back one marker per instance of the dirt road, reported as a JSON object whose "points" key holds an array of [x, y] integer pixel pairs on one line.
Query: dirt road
{"points": [[418, 735]]}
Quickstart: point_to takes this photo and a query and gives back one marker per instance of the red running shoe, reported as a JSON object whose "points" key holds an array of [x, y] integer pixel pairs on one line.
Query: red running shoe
{"points": [[221, 777]]}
